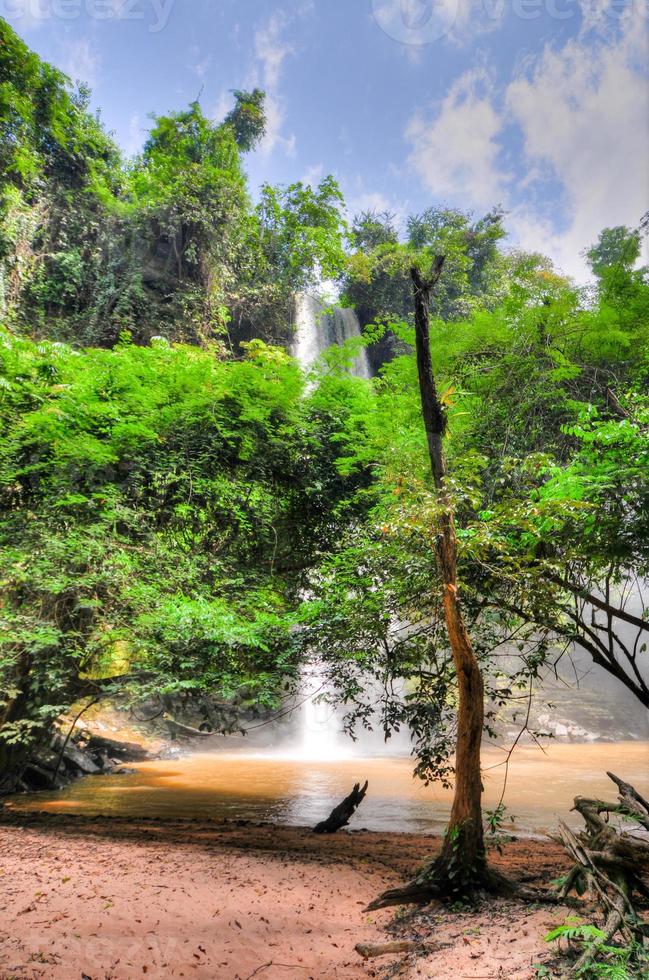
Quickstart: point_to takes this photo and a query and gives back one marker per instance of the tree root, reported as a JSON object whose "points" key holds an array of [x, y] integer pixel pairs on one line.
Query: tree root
{"points": [[412, 894], [434, 885], [610, 865]]}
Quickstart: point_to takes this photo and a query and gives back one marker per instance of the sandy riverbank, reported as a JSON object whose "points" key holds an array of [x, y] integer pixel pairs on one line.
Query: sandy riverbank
{"points": [[114, 900]]}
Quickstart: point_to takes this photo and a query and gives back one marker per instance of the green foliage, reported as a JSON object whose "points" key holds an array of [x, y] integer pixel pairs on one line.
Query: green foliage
{"points": [[165, 506], [373, 228], [301, 231], [157, 509], [494, 822], [167, 244], [247, 118], [46, 129], [604, 960], [376, 280], [547, 448]]}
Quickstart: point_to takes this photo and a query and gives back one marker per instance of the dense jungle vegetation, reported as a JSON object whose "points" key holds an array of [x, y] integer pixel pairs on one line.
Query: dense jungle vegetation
{"points": [[184, 513]]}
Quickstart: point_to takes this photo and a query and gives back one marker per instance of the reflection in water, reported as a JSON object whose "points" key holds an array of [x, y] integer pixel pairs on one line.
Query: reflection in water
{"points": [[541, 786]]}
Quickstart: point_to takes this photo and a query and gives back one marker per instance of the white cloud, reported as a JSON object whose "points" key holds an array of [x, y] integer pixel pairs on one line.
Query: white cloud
{"points": [[136, 135], [275, 119], [456, 153], [583, 114], [80, 61], [580, 112], [271, 50], [313, 175], [368, 201], [359, 199], [222, 106], [199, 66]]}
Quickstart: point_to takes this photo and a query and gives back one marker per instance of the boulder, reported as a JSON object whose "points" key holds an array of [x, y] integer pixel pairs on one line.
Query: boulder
{"points": [[80, 760], [124, 751], [35, 777]]}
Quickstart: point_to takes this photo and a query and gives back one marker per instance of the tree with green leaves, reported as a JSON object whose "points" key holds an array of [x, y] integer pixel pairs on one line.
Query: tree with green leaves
{"points": [[544, 415], [247, 118], [376, 280], [461, 867], [159, 507], [168, 243]]}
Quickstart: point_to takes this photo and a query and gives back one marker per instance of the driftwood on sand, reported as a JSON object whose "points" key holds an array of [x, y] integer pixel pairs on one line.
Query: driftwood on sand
{"points": [[611, 864], [340, 815], [369, 950]]}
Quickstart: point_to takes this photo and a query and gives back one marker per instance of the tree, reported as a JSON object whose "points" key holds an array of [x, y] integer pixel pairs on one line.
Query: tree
{"points": [[247, 118], [301, 231], [462, 864], [573, 555], [463, 855], [373, 228], [376, 280], [168, 243], [615, 247]]}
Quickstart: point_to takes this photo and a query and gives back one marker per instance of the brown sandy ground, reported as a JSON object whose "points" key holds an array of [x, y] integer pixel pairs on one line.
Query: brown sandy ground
{"points": [[106, 899]]}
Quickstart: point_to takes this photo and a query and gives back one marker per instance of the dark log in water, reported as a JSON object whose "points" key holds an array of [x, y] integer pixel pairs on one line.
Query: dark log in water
{"points": [[340, 815]]}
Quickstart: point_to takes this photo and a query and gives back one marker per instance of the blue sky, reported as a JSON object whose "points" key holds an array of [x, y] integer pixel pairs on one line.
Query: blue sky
{"points": [[539, 105]]}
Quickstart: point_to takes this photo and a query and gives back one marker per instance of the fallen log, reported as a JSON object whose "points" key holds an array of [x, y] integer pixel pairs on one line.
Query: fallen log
{"points": [[369, 951], [631, 799], [176, 728], [340, 815], [609, 864]]}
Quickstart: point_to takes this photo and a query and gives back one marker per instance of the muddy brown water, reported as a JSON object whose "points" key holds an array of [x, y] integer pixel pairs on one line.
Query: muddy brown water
{"points": [[541, 786]]}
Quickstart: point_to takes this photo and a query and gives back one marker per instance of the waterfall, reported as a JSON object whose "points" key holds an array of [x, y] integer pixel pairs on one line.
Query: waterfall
{"points": [[321, 732], [318, 327], [313, 729]]}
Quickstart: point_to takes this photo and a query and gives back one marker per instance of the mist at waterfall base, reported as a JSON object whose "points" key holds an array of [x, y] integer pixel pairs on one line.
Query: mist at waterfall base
{"points": [[295, 769]]}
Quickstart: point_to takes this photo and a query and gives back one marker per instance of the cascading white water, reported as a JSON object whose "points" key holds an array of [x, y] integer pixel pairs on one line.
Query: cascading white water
{"points": [[314, 728], [318, 327], [321, 737]]}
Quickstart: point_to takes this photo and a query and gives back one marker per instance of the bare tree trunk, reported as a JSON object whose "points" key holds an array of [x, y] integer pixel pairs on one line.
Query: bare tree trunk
{"points": [[464, 845], [462, 864]]}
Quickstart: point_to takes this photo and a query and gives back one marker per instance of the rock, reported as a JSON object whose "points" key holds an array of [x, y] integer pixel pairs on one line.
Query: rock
{"points": [[47, 759], [105, 763], [124, 751], [80, 759], [36, 777]]}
